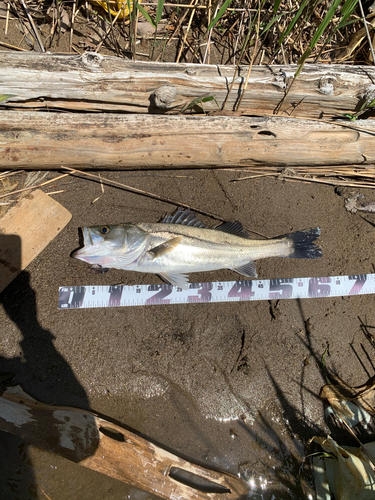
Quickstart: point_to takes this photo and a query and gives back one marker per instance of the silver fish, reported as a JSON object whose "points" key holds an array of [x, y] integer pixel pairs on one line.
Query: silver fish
{"points": [[182, 244]]}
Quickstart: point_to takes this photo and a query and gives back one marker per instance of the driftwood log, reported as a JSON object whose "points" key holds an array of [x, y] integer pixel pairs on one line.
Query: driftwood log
{"points": [[92, 82], [100, 445], [36, 140]]}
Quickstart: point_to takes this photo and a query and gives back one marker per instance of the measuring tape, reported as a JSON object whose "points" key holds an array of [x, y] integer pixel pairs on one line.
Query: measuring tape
{"points": [[81, 297]]}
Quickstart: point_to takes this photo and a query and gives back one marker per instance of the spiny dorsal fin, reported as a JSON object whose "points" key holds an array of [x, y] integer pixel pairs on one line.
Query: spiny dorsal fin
{"points": [[235, 228], [184, 217]]}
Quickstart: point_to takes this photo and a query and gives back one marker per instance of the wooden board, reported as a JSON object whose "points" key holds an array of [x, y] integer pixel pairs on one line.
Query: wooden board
{"points": [[25, 230], [100, 445], [34, 140], [100, 83]]}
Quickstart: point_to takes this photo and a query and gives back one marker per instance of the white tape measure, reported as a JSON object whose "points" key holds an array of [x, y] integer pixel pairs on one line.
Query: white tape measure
{"points": [[81, 297]]}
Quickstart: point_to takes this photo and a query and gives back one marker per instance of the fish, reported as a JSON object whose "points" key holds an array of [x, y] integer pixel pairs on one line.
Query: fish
{"points": [[181, 244]]}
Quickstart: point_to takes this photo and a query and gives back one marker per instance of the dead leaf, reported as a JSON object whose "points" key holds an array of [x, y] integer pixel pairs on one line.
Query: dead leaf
{"points": [[363, 396], [7, 185]]}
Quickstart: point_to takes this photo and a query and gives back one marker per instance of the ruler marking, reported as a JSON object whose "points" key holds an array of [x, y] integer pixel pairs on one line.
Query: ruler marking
{"points": [[81, 297]]}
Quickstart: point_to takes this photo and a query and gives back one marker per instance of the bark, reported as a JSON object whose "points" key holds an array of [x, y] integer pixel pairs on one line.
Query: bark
{"points": [[115, 141], [92, 82]]}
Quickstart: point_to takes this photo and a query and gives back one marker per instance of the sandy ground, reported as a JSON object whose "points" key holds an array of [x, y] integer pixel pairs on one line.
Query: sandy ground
{"points": [[233, 386]]}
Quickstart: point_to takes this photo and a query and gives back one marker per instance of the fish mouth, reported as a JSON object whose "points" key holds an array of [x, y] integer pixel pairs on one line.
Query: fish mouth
{"points": [[87, 244]]}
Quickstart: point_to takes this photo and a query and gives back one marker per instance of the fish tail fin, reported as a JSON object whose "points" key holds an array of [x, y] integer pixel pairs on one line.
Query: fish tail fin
{"points": [[303, 246]]}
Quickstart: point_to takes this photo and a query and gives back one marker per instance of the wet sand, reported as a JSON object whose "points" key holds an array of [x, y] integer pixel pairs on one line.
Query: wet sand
{"points": [[231, 385]]}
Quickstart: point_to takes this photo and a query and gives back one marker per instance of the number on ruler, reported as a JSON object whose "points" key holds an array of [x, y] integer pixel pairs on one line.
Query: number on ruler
{"points": [[159, 298], [204, 291], [71, 297], [242, 290], [360, 280], [280, 289], [319, 288]]}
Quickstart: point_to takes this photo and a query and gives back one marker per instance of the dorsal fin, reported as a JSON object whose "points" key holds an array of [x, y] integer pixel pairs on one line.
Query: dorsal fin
{"points": [[235, 228], [184, 217]]}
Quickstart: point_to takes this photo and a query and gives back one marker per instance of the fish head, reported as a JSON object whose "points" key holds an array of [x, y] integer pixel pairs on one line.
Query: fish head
{"points": [[111, 246]]}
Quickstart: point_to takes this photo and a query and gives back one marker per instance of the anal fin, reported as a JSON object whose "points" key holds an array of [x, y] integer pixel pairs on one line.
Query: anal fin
{"points": [[248, 269], [180, 280]]}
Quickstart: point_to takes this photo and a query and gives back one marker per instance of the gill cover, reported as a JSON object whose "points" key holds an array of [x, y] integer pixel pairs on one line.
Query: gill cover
{"points": [[112, 246]]}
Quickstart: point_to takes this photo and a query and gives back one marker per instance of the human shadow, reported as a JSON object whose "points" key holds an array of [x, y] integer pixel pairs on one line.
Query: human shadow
{"points": [[39, 369]]}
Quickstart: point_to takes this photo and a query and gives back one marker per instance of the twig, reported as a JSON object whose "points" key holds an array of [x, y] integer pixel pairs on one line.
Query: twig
{"points": [[367, 31], [34, 187], [256, 176], [332, 182], [135, 28], [201, 7], [36, 31], [102, 188], [10, 173], [237, 38], [110, 182], [56, 192], [251, 62], [44, 493], [9, 46], [247, 40], [175, 31], [186, 33], [208, 48], [194, 52], [131, 189], [108, 32], [71, 25], [7, 19]]}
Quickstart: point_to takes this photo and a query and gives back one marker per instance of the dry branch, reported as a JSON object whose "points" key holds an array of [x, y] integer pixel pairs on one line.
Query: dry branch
{"points": [[114, 141], [92, 82]]}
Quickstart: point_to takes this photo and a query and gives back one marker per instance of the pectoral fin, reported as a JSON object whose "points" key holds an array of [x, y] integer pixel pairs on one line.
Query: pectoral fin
{"points": [[247, 270], [180, 280], [165, 247]]}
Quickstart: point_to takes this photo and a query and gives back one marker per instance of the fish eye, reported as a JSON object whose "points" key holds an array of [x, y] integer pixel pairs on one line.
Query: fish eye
{"points": [[104, 229]]}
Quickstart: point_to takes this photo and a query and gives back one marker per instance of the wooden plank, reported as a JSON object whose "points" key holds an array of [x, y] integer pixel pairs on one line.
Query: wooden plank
{"points": [[113, 141], [92, 82], [25, 230], [100, 445]]}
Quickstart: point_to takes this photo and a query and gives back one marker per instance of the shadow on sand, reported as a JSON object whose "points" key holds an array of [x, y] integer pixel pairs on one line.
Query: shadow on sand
{"points": [[281, 470], [40, 369]]}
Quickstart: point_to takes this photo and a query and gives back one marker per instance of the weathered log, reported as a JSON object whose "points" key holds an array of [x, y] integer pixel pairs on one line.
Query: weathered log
{"points": [[114, 141], [98, 444], [92, 82]]}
